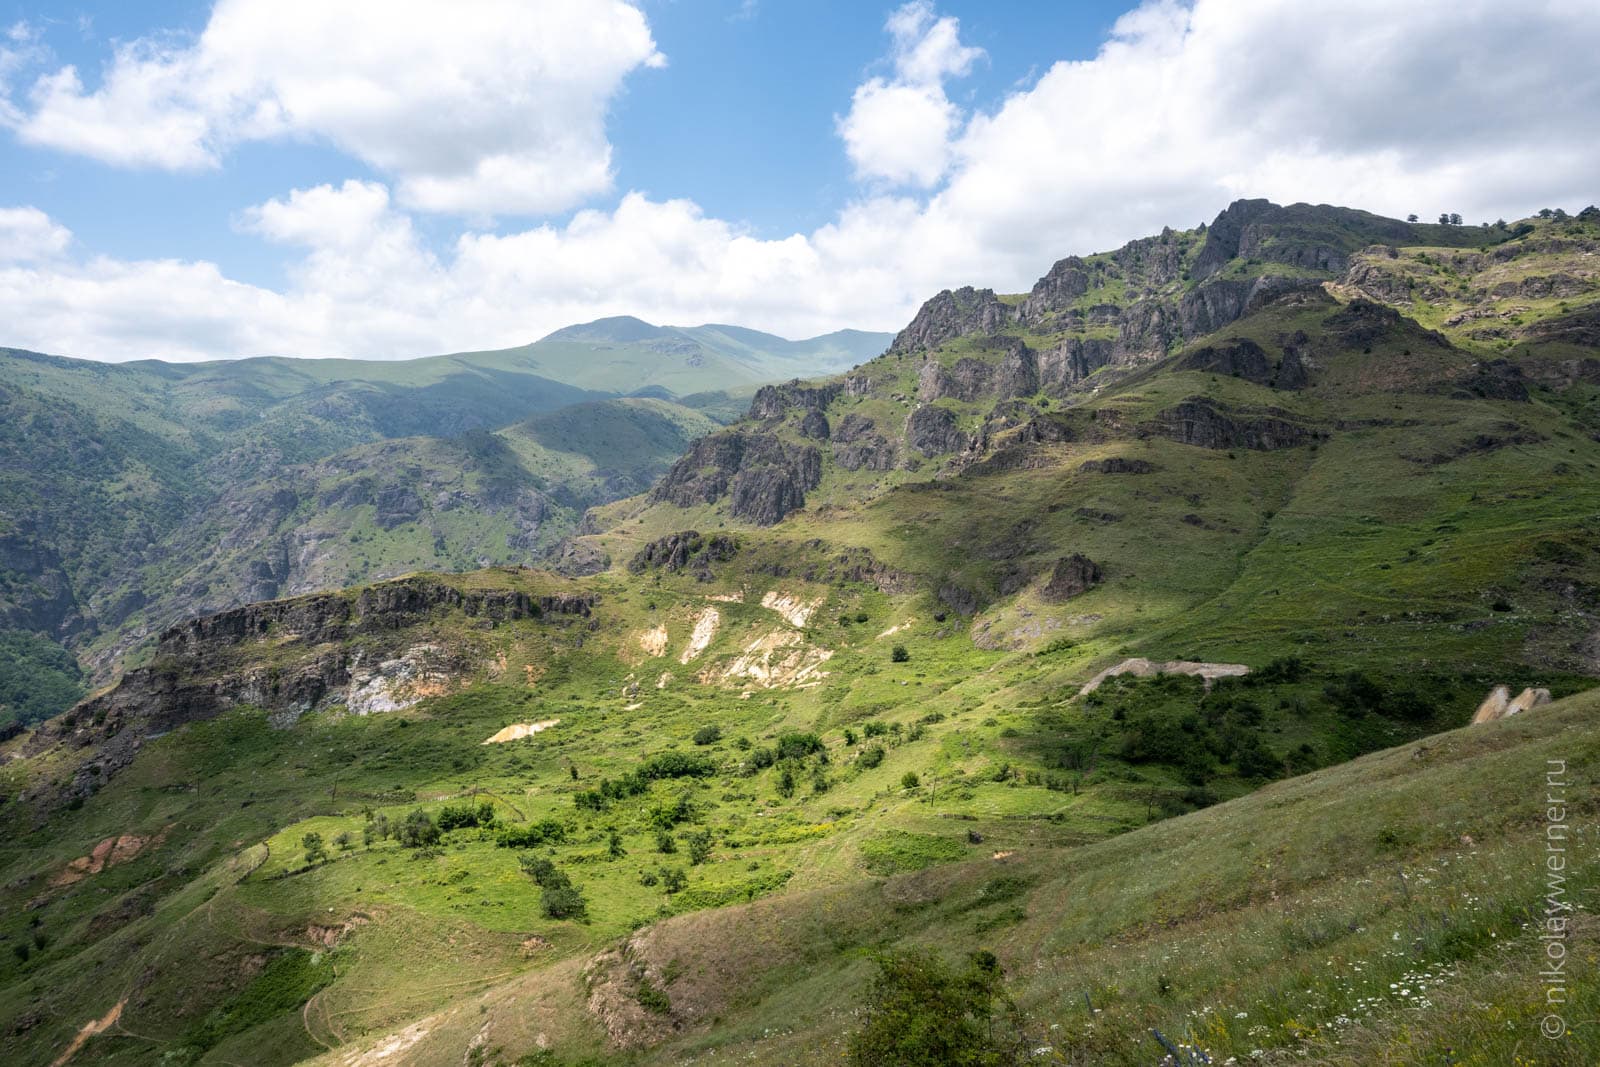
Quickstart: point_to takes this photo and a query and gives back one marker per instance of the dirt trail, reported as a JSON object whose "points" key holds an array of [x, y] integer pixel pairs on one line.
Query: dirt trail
{"points": [[90, 1029]]}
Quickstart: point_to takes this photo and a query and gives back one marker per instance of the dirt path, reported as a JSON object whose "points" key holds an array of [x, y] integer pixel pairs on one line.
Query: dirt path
{"points": [[90, 1029]]}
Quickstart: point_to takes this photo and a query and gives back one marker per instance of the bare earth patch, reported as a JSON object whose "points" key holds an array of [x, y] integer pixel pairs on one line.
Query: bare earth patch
{"points": [[518, 730], [779, 658], [108, 853], [654, 642], [1143, 668], [90, 1029], [795, 611], [705, 629]]}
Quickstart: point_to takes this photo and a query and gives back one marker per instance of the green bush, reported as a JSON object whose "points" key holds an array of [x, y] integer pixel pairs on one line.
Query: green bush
{"points": [[708, 735], [921, 1012], [871, 756], [898, 654]]}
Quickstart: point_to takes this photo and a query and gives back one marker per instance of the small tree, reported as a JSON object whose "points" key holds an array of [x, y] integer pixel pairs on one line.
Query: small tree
{"points": [[666, 844], [673, 879], [699, 847], [1411, 218], [708, 735], [614, 847], [418, 830], [345, 840], [1455, 219], [898, 654], [316, 852], [786, 781], [909, 780]]}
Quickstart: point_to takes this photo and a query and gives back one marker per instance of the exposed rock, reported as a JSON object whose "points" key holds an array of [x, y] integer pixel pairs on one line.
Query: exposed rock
{"points": [[1362, 324], [1580, 327], [576, 558], [932, 431], [1064, 283], [952, 314], [815, 426], [1495, 379], [1147, 331], [1239, 358], [1202, 422], [1216, 303], [775, 401], [685, 550], [1116, 465], [1140, 667], [764, 477], [1500, 705], [1073, 576], [857, 445], [1070, 362]]}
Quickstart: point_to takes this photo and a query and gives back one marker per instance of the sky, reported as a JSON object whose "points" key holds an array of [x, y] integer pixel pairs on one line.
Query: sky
{"points": [[392, 178]]}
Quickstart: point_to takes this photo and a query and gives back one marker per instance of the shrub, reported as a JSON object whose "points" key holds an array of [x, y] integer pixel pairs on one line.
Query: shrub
{"points": [[909, 780], [921, 1011], [666, 844], [545, 831], [673, 879], [562, 902], [708, 735], [418, 830], [699, 847], [798, 745], [898, 654], [871, 756]]}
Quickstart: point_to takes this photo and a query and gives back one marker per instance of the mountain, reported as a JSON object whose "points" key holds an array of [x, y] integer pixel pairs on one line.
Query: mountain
{"points": [[1118, 642], [133, 495]]}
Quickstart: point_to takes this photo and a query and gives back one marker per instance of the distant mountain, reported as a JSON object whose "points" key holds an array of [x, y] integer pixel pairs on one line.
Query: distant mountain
{"points": [[937, 699], [134, 494]]}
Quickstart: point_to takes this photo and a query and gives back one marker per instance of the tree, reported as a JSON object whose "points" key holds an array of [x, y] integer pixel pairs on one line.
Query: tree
{"points": [[921, 1012], [708, 735], [898, 654], [699, 847], [666, 844], [418, 830], [345, 840], [1412, 217], [1455, 220], [909, 780], [673, 879], [786, 782], [316, 852], [1444, 218], [614, 847]]}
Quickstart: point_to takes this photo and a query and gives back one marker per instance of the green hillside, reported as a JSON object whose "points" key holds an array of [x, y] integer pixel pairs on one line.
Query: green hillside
{"points": [[133, 495], [826, 695]]}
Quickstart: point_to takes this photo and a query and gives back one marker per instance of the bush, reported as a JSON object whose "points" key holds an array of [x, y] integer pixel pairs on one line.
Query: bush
{"points": [[708, 735], [871, 756], [798, 745], [699, 847], [418, 830], [920, 1012], [898, 654], [545, 831], [673, 879], [562, 902], [909, 780]]}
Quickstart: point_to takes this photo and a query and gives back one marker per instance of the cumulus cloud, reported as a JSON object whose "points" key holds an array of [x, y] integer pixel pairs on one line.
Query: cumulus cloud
{"points": [[899, 128], [1474, 106], [26, 234], [490, 107]]}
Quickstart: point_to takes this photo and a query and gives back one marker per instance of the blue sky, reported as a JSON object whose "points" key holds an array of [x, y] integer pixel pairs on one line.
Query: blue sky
{"points": [[194, 179]]}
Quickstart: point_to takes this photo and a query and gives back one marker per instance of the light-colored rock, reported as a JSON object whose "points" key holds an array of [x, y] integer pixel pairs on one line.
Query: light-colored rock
{"points": [[398, 683], [781, 658], [654, 641], [518, 730], [1494, 705], [795, 610], [705, 629], [1143, 668]]}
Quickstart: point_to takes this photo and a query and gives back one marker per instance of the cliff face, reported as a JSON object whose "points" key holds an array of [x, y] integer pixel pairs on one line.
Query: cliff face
{"points": [[764, 477], [371, 650]]}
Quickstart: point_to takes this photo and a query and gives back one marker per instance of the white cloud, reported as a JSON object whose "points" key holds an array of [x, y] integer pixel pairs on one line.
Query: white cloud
{"points": [[899, 129], [27, 234], [1473, 106], [490, 107]]}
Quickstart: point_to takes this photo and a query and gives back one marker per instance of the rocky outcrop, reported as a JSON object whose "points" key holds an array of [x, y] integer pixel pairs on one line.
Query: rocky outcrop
{"points": [[574, 557], [953, 314], [1063, 284], [933, 431], [764, 477], [814, 425], [1581, 328], [1217, 303], [1309, 236], [1204, 423], [1362, 324], [1072, 576], [776, 401], [1239, 358], [857, 445], [1061, 368], [1116, 465], [686, 550]]}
